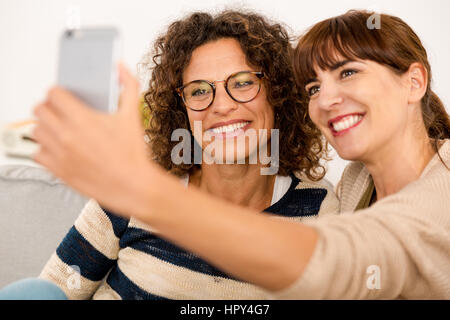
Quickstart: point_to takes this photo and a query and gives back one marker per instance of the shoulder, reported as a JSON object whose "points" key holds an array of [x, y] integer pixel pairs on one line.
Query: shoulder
{"points": [[423, 202], [93, 214], [302, 182], [354, 182], [435, 178], [307, 198], [352, 171], [440, 163], [330, 203]]}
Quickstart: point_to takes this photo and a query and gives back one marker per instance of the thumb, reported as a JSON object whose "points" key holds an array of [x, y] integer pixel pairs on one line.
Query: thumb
{"points": [[129, 97]]}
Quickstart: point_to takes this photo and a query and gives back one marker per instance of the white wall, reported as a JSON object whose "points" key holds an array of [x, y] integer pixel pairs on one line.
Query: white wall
{"points": [[29, 30]]}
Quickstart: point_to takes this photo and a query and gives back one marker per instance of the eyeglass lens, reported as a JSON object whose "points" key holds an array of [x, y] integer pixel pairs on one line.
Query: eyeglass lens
{"points": [[242, 87]]}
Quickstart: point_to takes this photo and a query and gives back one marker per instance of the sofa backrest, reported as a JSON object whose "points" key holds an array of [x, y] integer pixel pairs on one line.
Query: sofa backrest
{"points": [[36, 211]]}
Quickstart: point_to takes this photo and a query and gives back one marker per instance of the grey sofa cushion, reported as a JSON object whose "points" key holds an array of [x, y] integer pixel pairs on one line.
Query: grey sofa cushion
{"points": [[36, 211]]}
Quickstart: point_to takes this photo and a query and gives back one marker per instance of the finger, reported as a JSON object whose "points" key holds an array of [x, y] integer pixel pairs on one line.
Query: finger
{"points": [[45, 140], [48, 121], [40, 156], [129, 99], [66, 104], [55, 160], [45, 158]]}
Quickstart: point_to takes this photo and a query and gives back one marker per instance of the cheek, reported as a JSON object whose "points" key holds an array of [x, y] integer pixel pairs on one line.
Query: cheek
{"points": [[196, 118], [270, 117], [314, 113], [387, 102], [264, 109]]}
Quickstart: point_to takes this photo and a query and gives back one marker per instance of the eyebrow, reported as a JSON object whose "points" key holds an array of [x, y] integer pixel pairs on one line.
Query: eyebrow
{"points": [[333, 67], [339, 64]]}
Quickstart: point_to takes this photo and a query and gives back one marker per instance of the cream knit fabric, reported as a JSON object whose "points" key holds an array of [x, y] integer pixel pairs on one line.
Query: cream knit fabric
{"points": [[402, 241], [104, 256]]}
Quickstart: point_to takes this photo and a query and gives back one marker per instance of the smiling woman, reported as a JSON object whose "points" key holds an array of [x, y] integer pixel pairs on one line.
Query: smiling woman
{"points": [[223, 122], [179, 59], [369, 92]]}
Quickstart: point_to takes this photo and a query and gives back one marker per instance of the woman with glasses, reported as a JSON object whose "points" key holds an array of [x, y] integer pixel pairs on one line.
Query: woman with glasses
{"points": [[220, 79]]}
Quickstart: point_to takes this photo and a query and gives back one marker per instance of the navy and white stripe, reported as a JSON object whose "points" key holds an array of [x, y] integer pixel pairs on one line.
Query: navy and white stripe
{"points": [[141, 265]]}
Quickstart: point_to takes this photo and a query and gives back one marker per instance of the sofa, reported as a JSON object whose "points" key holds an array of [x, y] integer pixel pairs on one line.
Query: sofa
{"points": [[37, 210]]}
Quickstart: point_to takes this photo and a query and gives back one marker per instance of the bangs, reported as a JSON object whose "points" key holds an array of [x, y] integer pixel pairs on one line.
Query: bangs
{"points": [[337, 39]]}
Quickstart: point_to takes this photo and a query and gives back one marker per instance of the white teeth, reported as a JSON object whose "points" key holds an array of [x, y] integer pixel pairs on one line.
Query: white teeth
{"points": [[230, 128], [346, 122]]}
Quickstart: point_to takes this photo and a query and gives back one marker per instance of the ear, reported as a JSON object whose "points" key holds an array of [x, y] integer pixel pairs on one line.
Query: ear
{"points": [[417, 79]]}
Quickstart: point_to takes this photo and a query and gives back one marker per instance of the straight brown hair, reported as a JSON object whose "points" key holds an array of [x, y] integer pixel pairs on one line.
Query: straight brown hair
{"points": [[394, 44]]}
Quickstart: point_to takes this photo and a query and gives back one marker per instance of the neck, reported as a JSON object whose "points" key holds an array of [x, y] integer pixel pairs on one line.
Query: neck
{"points": [[239, 184], [399, 163]]}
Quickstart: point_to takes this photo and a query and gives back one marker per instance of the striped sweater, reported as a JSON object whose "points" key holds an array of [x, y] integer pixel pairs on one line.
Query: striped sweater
{"points": [[104, 256]]}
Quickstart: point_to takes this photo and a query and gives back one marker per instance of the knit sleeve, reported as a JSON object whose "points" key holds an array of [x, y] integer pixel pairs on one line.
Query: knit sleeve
{"points": [[397, 248], [87, 253]]}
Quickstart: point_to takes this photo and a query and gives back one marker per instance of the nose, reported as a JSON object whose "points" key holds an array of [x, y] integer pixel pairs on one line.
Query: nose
{"points": [[223, 103], [330, 95]]}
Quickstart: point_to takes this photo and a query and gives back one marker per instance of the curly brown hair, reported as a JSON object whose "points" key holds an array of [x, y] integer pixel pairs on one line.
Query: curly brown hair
{"points": [[266, 45]]}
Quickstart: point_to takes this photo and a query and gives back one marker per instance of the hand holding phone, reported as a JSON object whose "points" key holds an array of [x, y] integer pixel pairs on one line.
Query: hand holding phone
{"points": [[99, 155], [88, 68]]}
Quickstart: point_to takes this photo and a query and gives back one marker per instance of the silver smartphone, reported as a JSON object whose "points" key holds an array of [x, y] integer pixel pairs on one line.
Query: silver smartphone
{"points": [[87, 66]]}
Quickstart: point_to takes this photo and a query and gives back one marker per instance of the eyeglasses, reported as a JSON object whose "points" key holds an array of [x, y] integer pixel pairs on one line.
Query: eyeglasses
{"points": [[241, 86]]}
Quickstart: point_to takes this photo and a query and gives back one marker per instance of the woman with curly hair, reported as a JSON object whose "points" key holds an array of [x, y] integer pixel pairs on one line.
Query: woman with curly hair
{"points": [[218, 78], [265, 48]]}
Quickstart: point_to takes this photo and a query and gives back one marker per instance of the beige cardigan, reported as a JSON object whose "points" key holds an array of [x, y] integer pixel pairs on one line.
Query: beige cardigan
{"points": [[399, 248]]}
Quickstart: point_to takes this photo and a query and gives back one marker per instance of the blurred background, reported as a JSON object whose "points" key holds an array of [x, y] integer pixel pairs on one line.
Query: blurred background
{"points": [[29, 32]]}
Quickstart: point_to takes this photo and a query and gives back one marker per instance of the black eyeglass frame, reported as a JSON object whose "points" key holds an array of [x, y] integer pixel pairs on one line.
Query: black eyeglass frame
{"points": [[179, 90]]}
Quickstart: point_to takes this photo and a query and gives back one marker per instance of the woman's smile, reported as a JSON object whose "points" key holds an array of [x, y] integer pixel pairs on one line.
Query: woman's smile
{"points": [[229, 129], [344, 123]]}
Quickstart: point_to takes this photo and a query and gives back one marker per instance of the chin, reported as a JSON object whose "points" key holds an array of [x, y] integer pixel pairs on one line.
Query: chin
{"points": [[241, 156], [236, 154], [350, 153]]}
